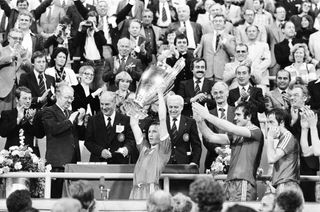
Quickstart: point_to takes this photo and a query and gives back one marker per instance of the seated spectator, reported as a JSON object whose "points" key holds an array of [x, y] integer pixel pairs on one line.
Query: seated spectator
{"points": [[159, 201], [82, 191], [67, 205], [208, 194], [267, 203], [240, 208], [18, 200], [123, 81], [182, 203], [58, 68], [306, 28], [301, 71], [289, 201]]}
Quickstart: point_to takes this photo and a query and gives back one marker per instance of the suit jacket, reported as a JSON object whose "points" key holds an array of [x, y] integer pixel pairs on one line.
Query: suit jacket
{"points": [[82, 101], [275, 35], [314, 92], [282, 52], [207, 27], [62, 137], [314, 39], [157, 35], [7, 71], [233, 14], [186, 90], [12, 15], [49, 24], [29, 80], [241, 35], [216, 58], [138, 8], [211, 154], [99, 138], [277, 100], [256, 99], [135, 72], [186, 146], [154, 7], [197, 30]]}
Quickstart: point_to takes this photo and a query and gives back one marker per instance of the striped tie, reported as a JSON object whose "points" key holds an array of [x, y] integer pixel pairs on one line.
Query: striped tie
{"points": [[174, 129], [197, 88], [42, 86], [223, 114]]}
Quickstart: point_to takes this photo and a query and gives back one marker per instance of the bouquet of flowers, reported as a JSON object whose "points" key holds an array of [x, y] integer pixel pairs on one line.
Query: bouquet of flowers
{"points": [[222, 163], [21, 159]]}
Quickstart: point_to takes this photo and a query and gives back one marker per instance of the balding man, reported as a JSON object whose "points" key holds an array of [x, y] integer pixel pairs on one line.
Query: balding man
{"points": [[109, 137], [122, 62], [159, 201], [185, 141]]}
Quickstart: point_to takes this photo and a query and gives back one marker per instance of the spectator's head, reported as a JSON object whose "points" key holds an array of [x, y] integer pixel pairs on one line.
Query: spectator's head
{"points": [[102, 8], [175, 105], [207, 5], [124, 47], [298, 96], [67, 205], [299, 53], [258, 4], [267, 203], [283, 79], [147, 17], [82, 191], [241, 52], [207, 193], [15, 37], [22, 5], [123, 81], [289, 29], [243, 114], [280, 13], [86, 74], [219, 22], [252, 32], [93, 17], [240, 208], [159, 201], [306, 22], [279, 119], [220, 93], [39, 61], [59, 57], [18, 200], [107, 102], [182, 203], [24, 20], [135, 27], [305, 6], [249, 16], [181, 42], [198, 67], [215, 9], [289, 201], [66, 25], [183, 12], [64, 94], [170, 36], [243, 73], [23, 97]]}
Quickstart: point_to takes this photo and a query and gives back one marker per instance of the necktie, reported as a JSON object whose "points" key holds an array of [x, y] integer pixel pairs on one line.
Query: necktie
{"points": [[217, 41], [42, 86], [164, 14], [185, 28], [66, 113], [283, 92], [290, 43], [109, 123], [197, 88], [63, 4], [243, 89], [223, 114], [122, 63], [174, 129]]}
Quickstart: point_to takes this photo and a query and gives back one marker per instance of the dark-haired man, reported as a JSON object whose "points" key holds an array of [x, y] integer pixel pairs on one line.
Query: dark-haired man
{"points": [[246, 141]]}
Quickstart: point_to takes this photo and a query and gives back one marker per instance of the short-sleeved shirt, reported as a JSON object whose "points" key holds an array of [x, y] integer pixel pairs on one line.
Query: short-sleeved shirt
{"points": [[287, 168], [245, 156]]}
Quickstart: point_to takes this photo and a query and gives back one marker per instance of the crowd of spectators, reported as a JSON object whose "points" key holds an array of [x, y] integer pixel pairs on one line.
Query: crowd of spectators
{"points": [[67, 67]]}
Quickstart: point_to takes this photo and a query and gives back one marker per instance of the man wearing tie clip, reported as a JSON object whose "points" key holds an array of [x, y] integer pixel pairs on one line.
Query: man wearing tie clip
{"points": [[109, 137]]}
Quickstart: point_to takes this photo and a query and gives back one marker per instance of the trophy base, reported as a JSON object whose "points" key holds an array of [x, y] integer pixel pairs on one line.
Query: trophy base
{"points": [[133, 109]]}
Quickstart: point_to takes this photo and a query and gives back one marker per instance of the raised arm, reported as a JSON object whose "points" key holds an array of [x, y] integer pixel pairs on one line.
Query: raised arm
{"points": [[81, 9], [210, 136], [305, 148], [41, 9], [163, 130], [5, 7], [313, 121], [273, 154]]}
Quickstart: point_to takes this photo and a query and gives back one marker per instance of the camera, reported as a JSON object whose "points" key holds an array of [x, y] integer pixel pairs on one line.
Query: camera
{"points": [[87, 25]]}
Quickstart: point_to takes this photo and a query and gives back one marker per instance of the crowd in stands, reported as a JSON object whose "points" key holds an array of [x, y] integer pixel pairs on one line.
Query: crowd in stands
{"points": [[67, 67]]}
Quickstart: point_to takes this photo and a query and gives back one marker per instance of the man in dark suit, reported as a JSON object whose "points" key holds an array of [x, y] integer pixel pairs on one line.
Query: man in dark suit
{"points": [[41, 85], [247, 93], [196, 89], [63, 130], [181, 43], [135, 12], [122, 62], [192, 30], [185, 141], [282, 49], [164, 13], [109, 137], [220, 93], [18, 122]]}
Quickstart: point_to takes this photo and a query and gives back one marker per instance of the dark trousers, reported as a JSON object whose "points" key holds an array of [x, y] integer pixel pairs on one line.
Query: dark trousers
{"points": [[57, 184]]}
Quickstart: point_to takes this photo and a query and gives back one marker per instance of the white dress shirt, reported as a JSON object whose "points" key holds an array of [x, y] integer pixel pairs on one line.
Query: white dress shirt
{"points": [[177, 122], [113, 115]]}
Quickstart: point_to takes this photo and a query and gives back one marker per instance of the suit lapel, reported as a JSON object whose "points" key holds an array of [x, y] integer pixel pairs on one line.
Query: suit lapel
{"points": [[278, 96], [34, 82], [102, 125], [182, 126]]}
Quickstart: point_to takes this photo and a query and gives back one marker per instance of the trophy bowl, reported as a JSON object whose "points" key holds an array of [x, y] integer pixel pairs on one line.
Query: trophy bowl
{"points": [[161, 75]]}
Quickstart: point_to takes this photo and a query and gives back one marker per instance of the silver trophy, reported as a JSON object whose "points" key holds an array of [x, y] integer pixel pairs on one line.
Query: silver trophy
{"points": [[146, 93]]}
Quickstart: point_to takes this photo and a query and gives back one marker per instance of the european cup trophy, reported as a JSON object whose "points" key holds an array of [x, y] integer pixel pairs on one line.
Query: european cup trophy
{"points": [[153, 77]]}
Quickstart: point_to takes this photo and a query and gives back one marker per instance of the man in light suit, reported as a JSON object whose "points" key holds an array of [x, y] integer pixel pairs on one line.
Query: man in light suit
{"points": [[136, 11], [191, 29], [122, 62], [185, 141], [109, 137], [204, 18], [233, 12], [196, 89], [314, 47], [220, 93], [216, 48]]}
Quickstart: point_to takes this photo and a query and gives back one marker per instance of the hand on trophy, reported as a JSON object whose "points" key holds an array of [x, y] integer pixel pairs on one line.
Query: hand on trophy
{"points": [[30, 113], [106, 153], [20, 114]]}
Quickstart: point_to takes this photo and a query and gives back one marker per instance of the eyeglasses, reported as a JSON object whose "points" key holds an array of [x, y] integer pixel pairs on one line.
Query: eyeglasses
{"points": [[202, 67], [88, 74], [16, 38], [243, 51]]}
